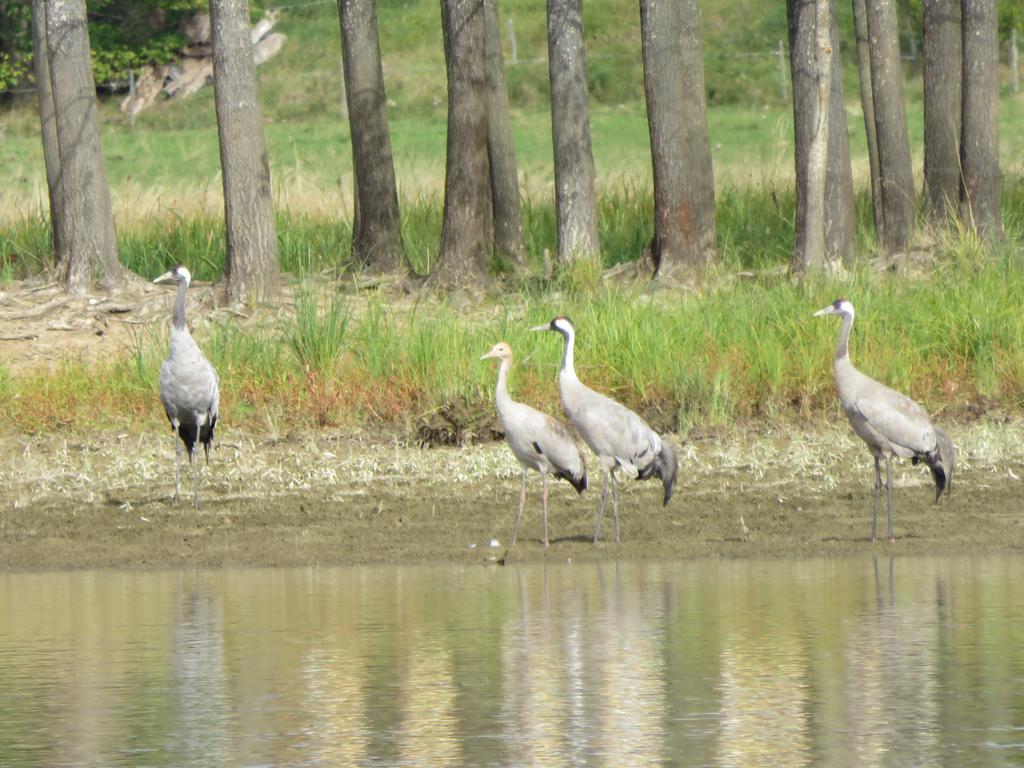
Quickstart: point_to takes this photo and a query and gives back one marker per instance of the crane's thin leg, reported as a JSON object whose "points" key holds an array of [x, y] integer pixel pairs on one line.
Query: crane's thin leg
{"points": [[888, 491], [615, 504], [604, 499], [177, 468], [874, 505], [193, 459], [522, 502], [545, 497]]}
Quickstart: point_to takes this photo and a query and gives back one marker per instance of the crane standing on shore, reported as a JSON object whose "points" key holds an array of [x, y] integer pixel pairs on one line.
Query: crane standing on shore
{"points": [[888, 422], [538, 441], [619, 437], [189, 388]]}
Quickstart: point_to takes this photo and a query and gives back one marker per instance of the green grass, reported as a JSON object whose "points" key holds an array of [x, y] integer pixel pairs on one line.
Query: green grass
{"points": [[733, 352]]}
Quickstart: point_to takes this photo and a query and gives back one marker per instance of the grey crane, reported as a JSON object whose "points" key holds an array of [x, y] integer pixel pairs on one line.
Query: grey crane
{"points": [[620, 438], [889, 422], [189, 388], [538, 441]]}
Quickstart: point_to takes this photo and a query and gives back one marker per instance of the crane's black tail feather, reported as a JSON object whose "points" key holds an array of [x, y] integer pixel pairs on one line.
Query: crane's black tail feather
{"points": [[941, 463], [668, 468]]}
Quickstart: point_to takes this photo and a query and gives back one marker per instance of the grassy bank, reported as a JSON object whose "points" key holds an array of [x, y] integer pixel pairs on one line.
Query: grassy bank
{"points": [[740, 349]]}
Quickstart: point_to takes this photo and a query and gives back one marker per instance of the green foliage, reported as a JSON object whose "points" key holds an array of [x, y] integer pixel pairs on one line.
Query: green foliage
{"points": [[16, 38], [318, 331]]}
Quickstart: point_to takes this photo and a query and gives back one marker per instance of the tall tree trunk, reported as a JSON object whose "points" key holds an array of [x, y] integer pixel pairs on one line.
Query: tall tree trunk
{"points": [[376, 230], [895, 172], [87, 237], [684, 186], [943, 63], [575, 195], [466, 232], [811, 61], [860, 23], [979, 146], [840, 221], [501, 151], [251, 268], [48, 122]]}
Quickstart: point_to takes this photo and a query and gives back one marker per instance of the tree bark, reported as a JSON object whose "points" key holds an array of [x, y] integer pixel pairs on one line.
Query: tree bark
{"points": [[466, 231], [251, 269], [87, 238], [684, 187], [840, 219], [895, 173], [943, 63], [48, 122], [501, 151], [810, 54], [376, 230], [575, 195], [979, 148], [860, 22]]}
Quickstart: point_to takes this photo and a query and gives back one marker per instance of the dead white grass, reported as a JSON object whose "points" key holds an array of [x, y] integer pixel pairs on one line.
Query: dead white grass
{"points": [[117, 467]]}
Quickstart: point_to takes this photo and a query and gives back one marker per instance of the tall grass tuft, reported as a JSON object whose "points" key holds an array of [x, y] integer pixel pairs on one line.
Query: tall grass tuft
{"points": [[317, 332]]}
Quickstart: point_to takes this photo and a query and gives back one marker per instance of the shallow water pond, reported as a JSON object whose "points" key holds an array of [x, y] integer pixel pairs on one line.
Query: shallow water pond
{"points": [[806, 662]]}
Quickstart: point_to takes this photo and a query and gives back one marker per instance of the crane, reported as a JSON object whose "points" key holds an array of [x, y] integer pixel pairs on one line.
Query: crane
{"points": [[538, 441], [189, 388], [889, 423], [619, 437]]}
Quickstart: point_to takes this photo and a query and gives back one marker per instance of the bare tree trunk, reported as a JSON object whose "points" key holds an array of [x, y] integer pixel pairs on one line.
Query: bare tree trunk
{"points": [[684, 186], [87, 237], [501, 150], [810, 52], [897, 178], [466, 232], [979, 146], [840, 221], [376, 230], [251, 269], [860, 19], [575, 195], [943, 64], [48, 122]]}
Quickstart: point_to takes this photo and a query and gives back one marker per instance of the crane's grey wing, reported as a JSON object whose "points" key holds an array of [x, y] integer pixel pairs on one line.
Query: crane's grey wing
{"points": [[902, 422], [559, 445], [611, 429]]}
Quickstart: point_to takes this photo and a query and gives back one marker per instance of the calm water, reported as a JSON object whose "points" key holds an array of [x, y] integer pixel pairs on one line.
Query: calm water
{"points": [[905, 662]]}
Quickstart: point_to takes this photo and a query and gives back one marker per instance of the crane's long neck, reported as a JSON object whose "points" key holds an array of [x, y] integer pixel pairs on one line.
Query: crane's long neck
{"points": [[179, 306], [501, 395], [843, 351], [567, 360]]}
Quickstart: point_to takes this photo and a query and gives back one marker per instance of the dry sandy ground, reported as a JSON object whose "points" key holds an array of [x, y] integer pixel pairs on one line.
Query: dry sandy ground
{"points": [[331, 498]]}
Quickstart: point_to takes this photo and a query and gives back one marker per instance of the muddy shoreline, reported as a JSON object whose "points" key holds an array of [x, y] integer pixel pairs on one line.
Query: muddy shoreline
{"points": [[326, 498]]}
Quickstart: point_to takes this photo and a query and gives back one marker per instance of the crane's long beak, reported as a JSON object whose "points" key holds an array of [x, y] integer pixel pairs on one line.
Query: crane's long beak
{"points": [[489, 354], [545, 327], [829, 310], [164, 276]]}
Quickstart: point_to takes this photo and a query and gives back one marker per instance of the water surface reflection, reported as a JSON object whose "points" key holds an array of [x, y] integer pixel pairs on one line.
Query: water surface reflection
{"points": [[916, 661]]}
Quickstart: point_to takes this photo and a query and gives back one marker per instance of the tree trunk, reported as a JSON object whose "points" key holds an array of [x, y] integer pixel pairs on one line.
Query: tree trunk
{"points": [[466, 232], [811, 61], [897, 178], [575, 195], [840, 219], [943, 63], [251, 268], [48, 122], [376, 230], [979, 148], [501, 151], [860, 22], [684, 187], [87, 237]]}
